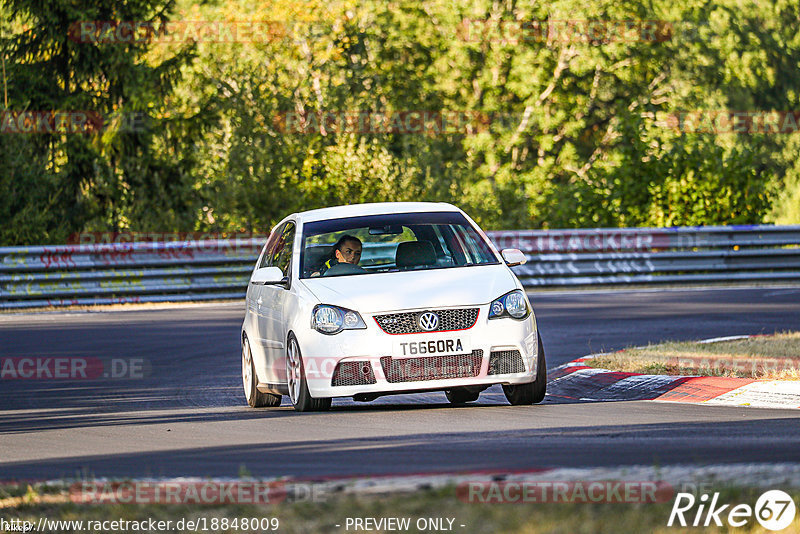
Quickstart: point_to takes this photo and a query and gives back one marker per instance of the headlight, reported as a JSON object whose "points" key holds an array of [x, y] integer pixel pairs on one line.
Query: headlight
{"points": [[332, 319], [511, 304]]}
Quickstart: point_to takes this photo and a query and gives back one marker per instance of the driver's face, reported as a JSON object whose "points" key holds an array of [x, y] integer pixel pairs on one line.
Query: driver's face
{"points": [[350, 253]]}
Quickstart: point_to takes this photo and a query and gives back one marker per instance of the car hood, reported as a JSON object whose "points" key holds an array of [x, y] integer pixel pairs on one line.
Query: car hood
{"points": [[380, 292]]}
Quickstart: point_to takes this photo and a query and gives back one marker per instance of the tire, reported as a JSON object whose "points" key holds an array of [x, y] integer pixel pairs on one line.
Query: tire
{"points": [[255, 399], [296, 381], [533, 392], [461, 395]]}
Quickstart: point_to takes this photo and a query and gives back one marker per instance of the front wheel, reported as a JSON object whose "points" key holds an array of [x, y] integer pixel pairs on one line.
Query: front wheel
{"points": [[297, 383], [533, 392], [255, 399]]}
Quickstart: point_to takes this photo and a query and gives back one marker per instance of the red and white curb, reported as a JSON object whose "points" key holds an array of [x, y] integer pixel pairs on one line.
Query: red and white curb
{"points": [[578, 381]]}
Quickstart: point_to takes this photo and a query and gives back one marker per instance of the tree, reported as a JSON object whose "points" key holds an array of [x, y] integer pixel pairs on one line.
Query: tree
{"points": [[103, 179]]}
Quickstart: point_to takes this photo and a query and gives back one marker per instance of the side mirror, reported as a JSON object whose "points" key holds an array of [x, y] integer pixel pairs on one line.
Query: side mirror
{"points": [[513, 256], [269, 276]]}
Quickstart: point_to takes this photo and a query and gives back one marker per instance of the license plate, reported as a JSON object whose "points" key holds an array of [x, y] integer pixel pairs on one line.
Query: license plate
{"points": [[432, 347]]}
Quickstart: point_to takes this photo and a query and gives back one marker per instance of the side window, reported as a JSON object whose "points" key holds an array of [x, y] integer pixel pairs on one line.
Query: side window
{"points": [[282, 255], [266, 260], [279, 248]]}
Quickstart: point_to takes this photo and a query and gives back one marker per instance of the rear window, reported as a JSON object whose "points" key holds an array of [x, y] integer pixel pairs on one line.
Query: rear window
{"points": [[392, 242]]}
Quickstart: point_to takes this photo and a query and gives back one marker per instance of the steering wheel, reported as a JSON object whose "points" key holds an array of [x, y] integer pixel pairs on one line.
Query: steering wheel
{"points": [[344, 268]]}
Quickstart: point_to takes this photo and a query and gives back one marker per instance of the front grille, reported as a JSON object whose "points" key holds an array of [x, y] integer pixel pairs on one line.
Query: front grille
{"points": [[356, 373], [406, 323], [503, 362], [432, 367]]}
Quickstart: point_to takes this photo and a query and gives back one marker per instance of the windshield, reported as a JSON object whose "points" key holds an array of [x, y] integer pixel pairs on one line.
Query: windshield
{"points": [[392, 242]]}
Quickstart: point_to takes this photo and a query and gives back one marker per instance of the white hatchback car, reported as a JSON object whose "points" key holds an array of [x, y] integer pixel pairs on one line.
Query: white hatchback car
{"points": [[374, 299]]}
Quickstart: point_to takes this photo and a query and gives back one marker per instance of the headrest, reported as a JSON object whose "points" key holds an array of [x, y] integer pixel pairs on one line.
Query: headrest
{"points": [[415, 254], [315, 256]]}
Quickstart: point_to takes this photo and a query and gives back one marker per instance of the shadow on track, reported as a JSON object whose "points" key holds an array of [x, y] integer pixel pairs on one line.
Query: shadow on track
{"points": [[775, 440]]}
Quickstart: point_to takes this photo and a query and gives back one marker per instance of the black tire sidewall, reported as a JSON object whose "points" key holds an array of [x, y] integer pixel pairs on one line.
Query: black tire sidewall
{"points": [[532, 392], [258, 399]]}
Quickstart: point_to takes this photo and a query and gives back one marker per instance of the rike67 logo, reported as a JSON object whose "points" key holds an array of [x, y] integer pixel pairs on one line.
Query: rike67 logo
{"points": [[774, 510]]}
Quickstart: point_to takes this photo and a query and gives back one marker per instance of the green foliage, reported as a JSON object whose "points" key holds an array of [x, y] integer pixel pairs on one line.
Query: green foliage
{"points": [[574, 133], [55, 184]]}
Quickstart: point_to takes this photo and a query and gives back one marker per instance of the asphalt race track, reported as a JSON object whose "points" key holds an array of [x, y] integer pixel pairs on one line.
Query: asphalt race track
{"points": [[188, 417]]}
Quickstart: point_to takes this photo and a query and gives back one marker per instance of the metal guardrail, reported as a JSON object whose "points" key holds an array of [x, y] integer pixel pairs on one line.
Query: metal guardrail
{"points": [[91, 274], [619, 256], [112, 273]]}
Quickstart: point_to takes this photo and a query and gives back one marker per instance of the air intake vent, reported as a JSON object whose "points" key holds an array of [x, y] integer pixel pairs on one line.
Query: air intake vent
{"points": [[432, 367], [504, 362], [357, 373]]}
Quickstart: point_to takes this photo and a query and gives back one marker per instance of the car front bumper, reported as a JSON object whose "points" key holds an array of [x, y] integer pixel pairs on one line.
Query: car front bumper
{"points": [[369, 351]]}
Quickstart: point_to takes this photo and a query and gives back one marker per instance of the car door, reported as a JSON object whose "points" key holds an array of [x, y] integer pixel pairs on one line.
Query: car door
{"points": [[270, 300], [252, 325]]}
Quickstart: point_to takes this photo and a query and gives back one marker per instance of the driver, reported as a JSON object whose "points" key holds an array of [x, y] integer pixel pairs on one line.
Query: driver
{"points": [[346, 250]]}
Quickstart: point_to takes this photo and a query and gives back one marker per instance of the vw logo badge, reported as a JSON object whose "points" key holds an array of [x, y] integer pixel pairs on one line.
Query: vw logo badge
{"points": [[428, 321]]}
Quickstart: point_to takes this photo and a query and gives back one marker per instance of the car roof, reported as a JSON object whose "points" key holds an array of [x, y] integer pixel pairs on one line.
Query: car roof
{"points": [[376, 208]]}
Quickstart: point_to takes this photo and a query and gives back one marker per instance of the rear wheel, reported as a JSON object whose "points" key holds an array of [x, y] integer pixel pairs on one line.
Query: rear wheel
{"points": [[532, 392], [255, 399], [296, 381], [461, 395]]}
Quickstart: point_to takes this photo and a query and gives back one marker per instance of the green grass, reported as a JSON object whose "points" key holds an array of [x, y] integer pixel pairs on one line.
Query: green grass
{"points": [[764, 357]]}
